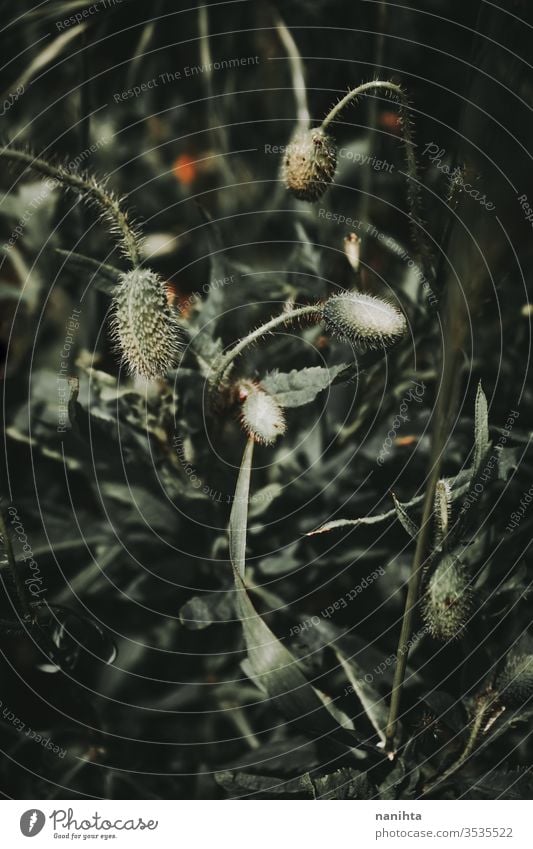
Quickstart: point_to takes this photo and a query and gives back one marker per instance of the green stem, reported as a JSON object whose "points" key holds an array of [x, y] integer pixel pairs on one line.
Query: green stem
{"points": [[413, 587], [90, 189], [221, 368], [103, 268], [413, 183]]}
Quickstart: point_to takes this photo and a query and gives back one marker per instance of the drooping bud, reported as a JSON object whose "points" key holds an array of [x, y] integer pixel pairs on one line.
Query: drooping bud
{"points": [[363, 320], [261, 415], [143, 325], [309, 164], [448, 600], [514, 683]]}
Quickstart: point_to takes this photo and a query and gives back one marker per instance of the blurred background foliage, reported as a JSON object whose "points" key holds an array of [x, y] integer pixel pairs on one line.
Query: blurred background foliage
{"points": [[135, 665]]}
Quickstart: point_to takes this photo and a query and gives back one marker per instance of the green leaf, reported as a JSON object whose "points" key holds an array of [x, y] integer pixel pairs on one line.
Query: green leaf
{"points": [[271, 665], [204, 610], [374, 705], [408, 524], [295, 388], [276, 672], [344, 784], [238, 519], [481, 429], [239, 784], [366, 520]]}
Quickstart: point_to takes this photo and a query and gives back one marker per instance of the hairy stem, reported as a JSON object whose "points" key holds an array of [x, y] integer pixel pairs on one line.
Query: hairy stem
{"points": [[89, 189], [413, 183], [485, 705], [225, 361]]}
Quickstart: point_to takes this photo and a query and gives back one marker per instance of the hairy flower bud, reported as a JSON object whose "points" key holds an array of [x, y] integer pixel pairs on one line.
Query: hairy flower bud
{"points": [[514, 683], [261, 415], [448, 599], [142, 324], [309, 164], [365, 321]]}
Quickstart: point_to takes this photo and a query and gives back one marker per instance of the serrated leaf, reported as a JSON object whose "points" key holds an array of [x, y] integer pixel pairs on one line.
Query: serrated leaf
{"points": [[239, 784], [344, 784], [298, 387], [366, 520], [407, 523], [481, 428]]}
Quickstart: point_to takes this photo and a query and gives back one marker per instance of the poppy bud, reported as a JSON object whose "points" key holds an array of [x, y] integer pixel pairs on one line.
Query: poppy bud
{"points": [[142, 324], [365, 321], [448, 599], [309, 164]]}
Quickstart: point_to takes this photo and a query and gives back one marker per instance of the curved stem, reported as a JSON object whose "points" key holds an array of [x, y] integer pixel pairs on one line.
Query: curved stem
{"points": [[413, 184], [92, 190], [103, 268], [225, 361], [356, 92]]}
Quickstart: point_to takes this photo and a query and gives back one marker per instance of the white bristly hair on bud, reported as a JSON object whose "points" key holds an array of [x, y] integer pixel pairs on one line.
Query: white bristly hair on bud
{"points": [[143, 325], [364, 320], [514, 683], [262, 416], [309, 164], [448, 599]]}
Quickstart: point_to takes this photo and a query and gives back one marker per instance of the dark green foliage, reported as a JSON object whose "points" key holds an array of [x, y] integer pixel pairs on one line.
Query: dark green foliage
{"points": [[202, 598]]}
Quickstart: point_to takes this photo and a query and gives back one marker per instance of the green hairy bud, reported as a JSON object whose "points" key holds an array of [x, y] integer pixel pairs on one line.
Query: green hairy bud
{"points": [[143, 326], [448, 600], [363, 320], [309, 164], [514, 683], [261, 415]]}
